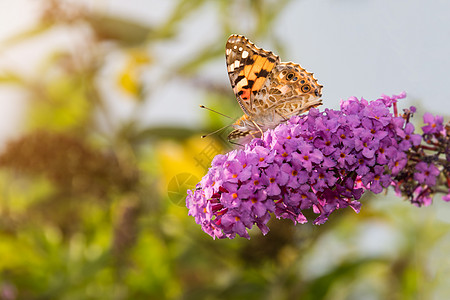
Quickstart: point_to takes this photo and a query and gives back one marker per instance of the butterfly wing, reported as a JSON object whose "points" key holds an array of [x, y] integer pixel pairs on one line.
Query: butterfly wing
{"points": [[268, 91], [248, 68], [291, 90]]}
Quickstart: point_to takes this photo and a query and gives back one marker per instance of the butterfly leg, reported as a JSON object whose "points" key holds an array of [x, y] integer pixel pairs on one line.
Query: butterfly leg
{"points": [[259, 128]]}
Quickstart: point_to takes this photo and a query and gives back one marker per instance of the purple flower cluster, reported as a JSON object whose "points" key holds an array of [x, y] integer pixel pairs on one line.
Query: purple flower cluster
{"points": [[428, 168], [321, 161]]}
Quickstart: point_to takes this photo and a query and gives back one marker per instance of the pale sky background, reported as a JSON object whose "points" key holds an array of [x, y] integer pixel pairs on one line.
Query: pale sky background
{"points": [[354, 47]]}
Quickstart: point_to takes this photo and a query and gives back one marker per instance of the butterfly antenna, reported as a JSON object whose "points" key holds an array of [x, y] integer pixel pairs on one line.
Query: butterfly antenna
{"points": [[216, 131], [207, 108], [234, 143]]}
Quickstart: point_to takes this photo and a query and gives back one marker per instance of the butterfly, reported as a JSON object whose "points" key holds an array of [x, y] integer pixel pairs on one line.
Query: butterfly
{"points": [[269, 91]]}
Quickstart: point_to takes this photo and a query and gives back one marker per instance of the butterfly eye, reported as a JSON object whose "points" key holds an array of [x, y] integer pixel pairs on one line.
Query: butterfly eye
{"points": [[289, 76], [306, 88]]}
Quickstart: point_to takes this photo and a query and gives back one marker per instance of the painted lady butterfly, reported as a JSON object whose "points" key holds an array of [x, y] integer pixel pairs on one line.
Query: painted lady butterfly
{"points": [[269, 91]]}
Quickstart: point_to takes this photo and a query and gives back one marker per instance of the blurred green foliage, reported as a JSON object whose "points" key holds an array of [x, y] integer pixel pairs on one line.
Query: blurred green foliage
{"points": [[84, 209]]}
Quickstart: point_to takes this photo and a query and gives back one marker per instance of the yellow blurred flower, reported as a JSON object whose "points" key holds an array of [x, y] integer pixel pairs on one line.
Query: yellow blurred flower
{"points": [[129, 77], [184, 164]]}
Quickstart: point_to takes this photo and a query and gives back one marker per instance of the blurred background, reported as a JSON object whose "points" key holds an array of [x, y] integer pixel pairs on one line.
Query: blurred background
{"points": [[100, 131]]}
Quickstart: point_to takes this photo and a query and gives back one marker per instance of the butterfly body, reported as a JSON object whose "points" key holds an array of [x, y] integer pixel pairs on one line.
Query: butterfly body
{"points": [[269, 91]]}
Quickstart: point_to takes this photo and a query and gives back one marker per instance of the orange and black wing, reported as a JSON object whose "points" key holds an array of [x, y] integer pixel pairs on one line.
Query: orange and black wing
{"points": [[248, 68]]}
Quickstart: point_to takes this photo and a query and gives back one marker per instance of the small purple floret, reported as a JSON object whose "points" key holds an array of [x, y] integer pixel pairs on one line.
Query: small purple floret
{"points": [[434, 123], [426, 173]]}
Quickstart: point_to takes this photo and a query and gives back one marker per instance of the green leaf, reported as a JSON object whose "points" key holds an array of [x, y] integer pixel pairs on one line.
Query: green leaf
{"points": [[165, 132], [10, 77], [181, 11], [126, 32], [321, 286], [38, 29], [61, 105], [209, 53]]}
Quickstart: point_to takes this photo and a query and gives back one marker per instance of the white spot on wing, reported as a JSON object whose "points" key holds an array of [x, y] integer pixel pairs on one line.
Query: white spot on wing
{"points": [[244, 54], [240, 48], [237, 64], [235, 47], [284, 89]]}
